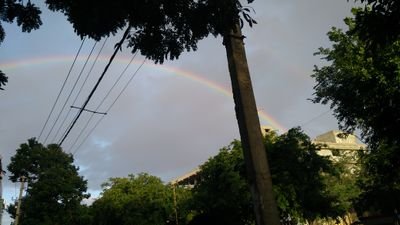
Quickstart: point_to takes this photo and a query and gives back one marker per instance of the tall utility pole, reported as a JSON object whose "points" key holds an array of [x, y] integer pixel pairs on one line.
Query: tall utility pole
{"points": [[18, 213], [258, 172]]}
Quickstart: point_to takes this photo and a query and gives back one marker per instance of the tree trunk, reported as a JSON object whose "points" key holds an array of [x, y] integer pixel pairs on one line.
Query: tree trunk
{"points": [[258, 173]]}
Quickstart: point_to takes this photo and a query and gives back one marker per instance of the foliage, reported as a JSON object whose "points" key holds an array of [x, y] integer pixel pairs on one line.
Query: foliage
{"points": [[298, 175], [379, 180], [222, 194], [54, 190], [3, 79], [379, 23], [141, 200], [343, 184], [163, 29], [27, 17], [362, 86], [362, 90]]}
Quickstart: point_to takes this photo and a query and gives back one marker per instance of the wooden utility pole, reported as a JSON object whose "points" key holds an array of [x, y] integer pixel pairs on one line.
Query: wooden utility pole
{"points": [[255, 156], [18, 213]]}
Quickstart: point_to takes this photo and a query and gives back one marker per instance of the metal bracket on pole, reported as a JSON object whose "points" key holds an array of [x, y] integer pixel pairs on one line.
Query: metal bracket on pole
{"points": [[87, 110]]}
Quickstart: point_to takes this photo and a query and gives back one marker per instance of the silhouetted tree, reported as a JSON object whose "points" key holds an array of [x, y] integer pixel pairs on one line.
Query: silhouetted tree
{"points": [[361, 85], [378, 24], [142, 199], [163, 29], [55, 189], [221, 196], [27, 17]]}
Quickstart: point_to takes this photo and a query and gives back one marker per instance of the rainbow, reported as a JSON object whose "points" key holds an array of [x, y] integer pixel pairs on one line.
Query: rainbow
{"points": [[31, 62]]}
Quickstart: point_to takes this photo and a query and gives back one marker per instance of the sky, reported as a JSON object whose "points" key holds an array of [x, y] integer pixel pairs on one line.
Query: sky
{"points": [[171, 118]]}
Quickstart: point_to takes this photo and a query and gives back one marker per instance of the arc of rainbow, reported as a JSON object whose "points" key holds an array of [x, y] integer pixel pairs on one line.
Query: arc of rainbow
{"points": [[264, 116]]}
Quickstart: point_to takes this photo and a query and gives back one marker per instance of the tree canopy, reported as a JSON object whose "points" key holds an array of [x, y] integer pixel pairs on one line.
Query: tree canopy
{"points": [[363, 90], [298, 179], [221, 195], [379, 23], [54, 190], [161, 29], [379, 180], [141, 200], [361, 84], [27, 17]]}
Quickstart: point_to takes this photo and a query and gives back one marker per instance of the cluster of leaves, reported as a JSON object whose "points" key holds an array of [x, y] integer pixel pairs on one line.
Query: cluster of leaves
{"points": [[343, 185], [163, 29], [27, 17], [298, 175], [55, 189], [379, 23], [363, 90], [141, 199], [221, 195], [362, 85], [379, 180]]}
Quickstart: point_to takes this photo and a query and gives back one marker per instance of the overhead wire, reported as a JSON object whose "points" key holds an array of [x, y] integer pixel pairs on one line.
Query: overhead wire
{"points": [[80, 90], [104, 98], [117, 48], [314, 118], [109, 108], [62, 88], [70, 93]]}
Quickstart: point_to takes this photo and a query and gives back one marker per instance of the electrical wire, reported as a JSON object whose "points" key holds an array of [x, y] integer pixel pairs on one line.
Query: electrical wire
{"points": [[62, 88], [104, 98], [118, 47], [80, 90], [70, 93], [109, 108], [314, 118]]}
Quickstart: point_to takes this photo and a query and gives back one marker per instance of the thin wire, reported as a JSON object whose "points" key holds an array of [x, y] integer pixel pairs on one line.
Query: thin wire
{"points": [[314, 118], [118, 47], [109, 108], [104, 98], [70, 93], [134, 74], [80, 90], [62, 88]]}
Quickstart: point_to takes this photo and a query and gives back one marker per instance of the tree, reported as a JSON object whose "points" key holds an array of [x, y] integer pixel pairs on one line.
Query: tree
{"points": [[343, 185], [220, 196], [141, 200], [27, 17], [54, 190], [379, 23], [379, 181], [362, 87], [163, 29], [362, 90]]}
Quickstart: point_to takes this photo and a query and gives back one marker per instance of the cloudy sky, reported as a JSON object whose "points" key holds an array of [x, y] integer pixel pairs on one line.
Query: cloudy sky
{"points": [[171, 117]]}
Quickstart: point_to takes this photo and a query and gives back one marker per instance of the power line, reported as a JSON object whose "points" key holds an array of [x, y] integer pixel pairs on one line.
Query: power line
{"points": [[70, 93], [118, 47], [62, 88], [80, 89], [314, 118], [104, 98], [109, 108]]}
